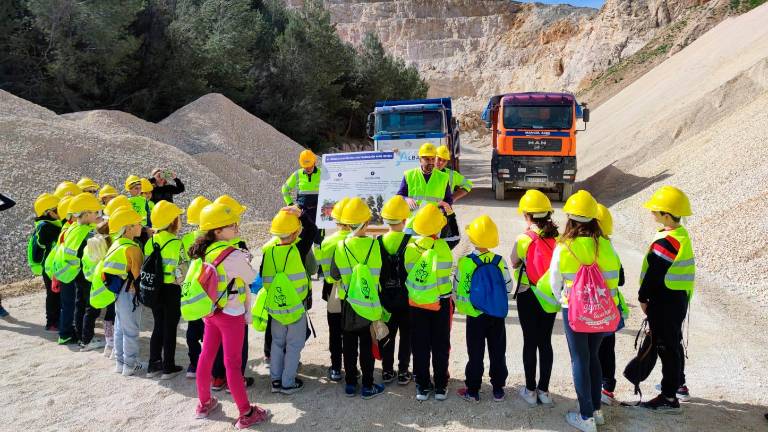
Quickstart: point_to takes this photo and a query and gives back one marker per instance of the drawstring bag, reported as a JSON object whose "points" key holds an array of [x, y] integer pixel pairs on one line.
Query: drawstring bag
{"points": [[639, 368]]}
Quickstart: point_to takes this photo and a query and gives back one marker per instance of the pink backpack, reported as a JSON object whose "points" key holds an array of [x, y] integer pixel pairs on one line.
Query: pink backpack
{"points": [[590, 306], [538, 257]]}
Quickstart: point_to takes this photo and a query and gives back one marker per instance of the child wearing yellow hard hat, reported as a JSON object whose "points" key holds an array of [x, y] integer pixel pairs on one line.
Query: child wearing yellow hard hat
{"points": [[195, 328], [166, 310], [324, 257], [361, 300], [482, 328], [536, 305], [428, 261], [44, 237], [666, 287], [394, 294]]}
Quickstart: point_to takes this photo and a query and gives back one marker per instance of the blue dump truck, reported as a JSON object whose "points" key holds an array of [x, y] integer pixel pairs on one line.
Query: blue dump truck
{"points": [[407, 124]]}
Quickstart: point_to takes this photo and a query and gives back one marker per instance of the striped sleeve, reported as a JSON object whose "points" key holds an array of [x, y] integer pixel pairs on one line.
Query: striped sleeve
{"points": [[666, 248]]}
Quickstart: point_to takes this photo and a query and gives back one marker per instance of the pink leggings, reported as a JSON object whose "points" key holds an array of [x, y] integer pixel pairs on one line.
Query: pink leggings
{"points": [[229, 330]]}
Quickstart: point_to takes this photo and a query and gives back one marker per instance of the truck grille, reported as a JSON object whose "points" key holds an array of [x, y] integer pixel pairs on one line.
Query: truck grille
{"points": [[531, 144]]}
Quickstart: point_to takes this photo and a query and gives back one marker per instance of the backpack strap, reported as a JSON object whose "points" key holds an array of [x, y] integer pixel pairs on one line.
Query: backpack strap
{"points": [[476, 259], [597, 250], [403, 244], [169, 242], [222, 256], [496, 260], [370, 249]]}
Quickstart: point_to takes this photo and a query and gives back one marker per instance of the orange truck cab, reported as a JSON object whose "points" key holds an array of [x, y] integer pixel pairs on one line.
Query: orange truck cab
{"points": [[534, 141]]}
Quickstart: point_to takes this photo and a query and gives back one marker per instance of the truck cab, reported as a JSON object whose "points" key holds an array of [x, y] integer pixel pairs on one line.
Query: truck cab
{"points": [[407, 124], [534, 141]]}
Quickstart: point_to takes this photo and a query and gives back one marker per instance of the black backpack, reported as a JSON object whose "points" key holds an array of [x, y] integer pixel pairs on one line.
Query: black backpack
{"points": [[152, 276], [639, 368], [394, 295]]}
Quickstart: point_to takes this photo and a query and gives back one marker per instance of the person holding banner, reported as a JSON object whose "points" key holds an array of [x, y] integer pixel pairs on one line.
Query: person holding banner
{"points": [[306, 183], [426, 185]]}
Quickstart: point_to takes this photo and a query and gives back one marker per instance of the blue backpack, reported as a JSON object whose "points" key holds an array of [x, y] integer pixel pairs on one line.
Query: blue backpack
{"points": [[488, 292]]}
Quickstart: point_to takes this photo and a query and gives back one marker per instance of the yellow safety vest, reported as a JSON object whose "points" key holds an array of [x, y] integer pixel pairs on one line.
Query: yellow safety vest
{"points": [[682, 274], [170, 251], [584, 248], [350, 252], [285, 307], [442, 286], [462, 282], [302, 183], [68, 265], [114, 263], [324, 254], [211, 254]]}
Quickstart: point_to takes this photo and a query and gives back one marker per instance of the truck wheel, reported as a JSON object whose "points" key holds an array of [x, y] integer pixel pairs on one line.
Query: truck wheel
{"points": [[566, 191], [499, 189]]}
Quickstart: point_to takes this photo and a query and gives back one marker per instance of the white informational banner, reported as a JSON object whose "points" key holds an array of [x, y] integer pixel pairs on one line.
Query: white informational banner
{"points": [[373, 176], [408, 149]]}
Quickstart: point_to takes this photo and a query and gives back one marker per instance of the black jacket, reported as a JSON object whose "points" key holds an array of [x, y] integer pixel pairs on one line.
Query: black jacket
{"points": [[166, 192]]}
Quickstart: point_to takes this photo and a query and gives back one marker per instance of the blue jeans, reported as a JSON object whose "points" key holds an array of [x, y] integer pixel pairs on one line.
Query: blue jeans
{"points": [[67, 314], [585, 362], [127, 326]]}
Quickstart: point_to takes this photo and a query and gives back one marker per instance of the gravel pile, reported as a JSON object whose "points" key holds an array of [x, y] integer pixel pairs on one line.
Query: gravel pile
{"points": [[38, 149], [697, 121]]}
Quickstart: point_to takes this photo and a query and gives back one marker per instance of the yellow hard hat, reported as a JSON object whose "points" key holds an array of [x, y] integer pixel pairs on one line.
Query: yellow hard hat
{"points": [[427, 150], [483, 233], [338, 208], [86, 184], [443, 152], [581, 206], [116, 203], [429, 221], [355, 212], [132, 179], [164, 214], [45, 202], [123, 217], [84, 202], [307, 159], [62, 209], [67, 188], [194, 208], [604, 219], [534, 201], [217, 215], [146, 185], [669, 199], [231, 203], [395, 209], [284, 224], [107, 191]]}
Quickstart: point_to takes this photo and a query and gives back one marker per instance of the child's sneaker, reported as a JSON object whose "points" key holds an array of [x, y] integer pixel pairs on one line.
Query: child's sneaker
{"points": [[465, 394], [276, 386], [682, 393], [372, 391], [218, 384], [545, 398], [350, 390], [171, 373], [498, 394], [528, 395], [441, 394], [154, 369], [422, 394], [256, 416], [107, 351], [388, 376], [132, 370], [192, 372], [585, 425], [119, 367], [67, 341], [94, 344], [608, 398], [599, 417], [204, 411], [52, 328], [3, 313], [297, 386], [662, 404], [404, 378], [334, 375]]}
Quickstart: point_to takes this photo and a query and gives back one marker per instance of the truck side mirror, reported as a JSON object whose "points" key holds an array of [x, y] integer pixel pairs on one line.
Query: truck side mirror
{"points": [[369, 125], [453, 122], [585, 115]]}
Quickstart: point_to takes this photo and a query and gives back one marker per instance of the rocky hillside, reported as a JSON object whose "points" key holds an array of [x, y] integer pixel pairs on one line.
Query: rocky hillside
{"points": [[476, 48]]}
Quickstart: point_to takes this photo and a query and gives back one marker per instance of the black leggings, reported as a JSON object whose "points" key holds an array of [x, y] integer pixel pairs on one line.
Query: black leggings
{"points": [[537, 336]]}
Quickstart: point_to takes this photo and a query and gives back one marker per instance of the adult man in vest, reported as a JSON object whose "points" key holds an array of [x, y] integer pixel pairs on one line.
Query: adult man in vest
{"points": [[306, 183], [666, 287], [459, 186], [426, 185]]}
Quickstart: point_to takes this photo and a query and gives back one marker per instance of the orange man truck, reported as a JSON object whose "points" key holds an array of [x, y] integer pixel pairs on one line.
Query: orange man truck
{"points": [[534, 141]]}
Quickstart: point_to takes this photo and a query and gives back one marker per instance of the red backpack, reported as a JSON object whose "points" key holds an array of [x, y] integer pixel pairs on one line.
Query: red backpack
{"points": [[538, 257]]}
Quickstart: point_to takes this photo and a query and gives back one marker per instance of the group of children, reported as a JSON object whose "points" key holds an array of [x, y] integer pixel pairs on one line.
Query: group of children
{"points": [[91, 247]]}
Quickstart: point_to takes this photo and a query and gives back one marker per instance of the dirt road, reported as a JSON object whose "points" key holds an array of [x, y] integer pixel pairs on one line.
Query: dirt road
{"points": [[47, 387]]}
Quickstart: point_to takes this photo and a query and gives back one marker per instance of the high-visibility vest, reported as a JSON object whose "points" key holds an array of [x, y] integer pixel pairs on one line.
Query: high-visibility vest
{"points": [[34, 241], [114, 263], [350, 252], [187, 240], [211, 254], [324, 254], [462, 282], [426, 192], [392, 240], [584, 248], [170, 253], [68, 265], [442, 287], [143, 208], [285, 307], [457, 180], [681, 275], [542, 290], [302, 183]]}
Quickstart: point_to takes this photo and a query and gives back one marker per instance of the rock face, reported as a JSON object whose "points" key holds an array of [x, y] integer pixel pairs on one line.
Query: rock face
{"points": [[476, 48]]}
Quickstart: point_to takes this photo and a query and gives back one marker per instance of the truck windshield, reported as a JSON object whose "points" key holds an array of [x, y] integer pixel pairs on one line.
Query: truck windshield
{"points": [[409, 122], [537, 117]]}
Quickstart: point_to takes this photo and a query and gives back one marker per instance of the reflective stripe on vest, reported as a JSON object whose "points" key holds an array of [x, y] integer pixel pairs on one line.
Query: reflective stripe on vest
{"points": [[422, 191], [68, 264], [358, 249], [211, 254], [682, 273]]}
